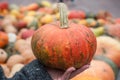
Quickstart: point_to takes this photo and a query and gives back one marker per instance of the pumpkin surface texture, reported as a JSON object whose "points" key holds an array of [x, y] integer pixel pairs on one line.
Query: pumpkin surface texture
{"points": [[64, 45]]}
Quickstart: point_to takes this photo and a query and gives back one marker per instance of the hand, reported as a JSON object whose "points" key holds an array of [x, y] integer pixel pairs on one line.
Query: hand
{"points": [[65, 75]]}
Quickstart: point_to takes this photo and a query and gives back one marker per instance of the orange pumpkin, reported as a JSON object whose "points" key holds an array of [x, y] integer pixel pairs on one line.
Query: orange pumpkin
{"points": [[3, 39], [113, 30], [14, 59], [33, 6], [64, 44], [3, 56], [98, 70], [109, 47]]}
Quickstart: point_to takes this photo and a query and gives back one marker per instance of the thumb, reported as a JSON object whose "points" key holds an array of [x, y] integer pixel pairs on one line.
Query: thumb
{"points": [[67, 74]]}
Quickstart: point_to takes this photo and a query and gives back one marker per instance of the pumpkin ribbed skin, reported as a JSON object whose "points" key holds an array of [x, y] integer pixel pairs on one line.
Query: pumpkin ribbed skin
{"points": [[62, 48]]}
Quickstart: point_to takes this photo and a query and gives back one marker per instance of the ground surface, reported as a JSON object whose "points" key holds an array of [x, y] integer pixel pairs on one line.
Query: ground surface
{"points": [[113, 6]]}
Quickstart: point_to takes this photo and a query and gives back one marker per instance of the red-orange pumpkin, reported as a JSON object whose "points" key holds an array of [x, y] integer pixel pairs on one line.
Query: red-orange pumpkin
{"points": [[3, 39], [61, 48]]}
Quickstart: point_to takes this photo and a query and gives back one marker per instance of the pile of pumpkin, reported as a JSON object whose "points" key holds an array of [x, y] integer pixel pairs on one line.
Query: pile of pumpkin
{"points": [[18, 23]]}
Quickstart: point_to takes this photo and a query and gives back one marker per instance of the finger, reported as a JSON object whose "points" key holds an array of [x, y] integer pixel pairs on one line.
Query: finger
{"points": [[67, 74], [80, 70]]}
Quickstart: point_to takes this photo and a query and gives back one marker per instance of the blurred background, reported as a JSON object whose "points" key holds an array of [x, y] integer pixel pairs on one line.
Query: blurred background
{"points": [[112, 6]]}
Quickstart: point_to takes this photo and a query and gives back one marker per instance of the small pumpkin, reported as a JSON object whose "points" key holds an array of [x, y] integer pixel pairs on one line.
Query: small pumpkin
{"points": [[3, 39], [113, 30], [47, 10], [21, 45], [117, 20], [33, 6], [28, 55], [108, 61], [76, 14], [27, 34], [86, 77], [98, 70], [46, 19], [98, 31], [64, 44], [109, 47], [3, 5], [45, 4], [14, 59], [20, 24], [3, 56]]}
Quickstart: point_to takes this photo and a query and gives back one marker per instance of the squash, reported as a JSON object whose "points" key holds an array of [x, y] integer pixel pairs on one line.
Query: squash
{"points": [[33, 6], [109, 47], [20, 24], [86, 77], [108, 61], [98, 70], [98, 31], [28, 56], [75, 14], [3, 56], [14, 59], [3, 5], [64, 44], [113, 30], [3, 39], [27, 34], [21, 46]]}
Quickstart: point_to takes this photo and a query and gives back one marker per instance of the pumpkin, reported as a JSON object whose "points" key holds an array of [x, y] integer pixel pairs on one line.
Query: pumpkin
{"points": [[109, 47], [98, 70], [113, 30], [45, 10], [46, 19], [15, 59], [21, 46], [10, 29], [20, 24], [62, 45], [28, 55], [117, 20], [76, 14], [91, 22], [3, 5], [3, 39], [33, 6], [3, 56], [103, 15], [86, 77], [27, 34], [44, 3], [98, 31], [108, 61]]}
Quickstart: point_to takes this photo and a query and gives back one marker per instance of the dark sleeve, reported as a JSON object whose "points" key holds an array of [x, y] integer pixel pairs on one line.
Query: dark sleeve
{"points": [[2, 76], [32, 71]]}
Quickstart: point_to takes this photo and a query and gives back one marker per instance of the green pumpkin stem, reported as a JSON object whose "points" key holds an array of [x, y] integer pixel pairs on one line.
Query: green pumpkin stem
{"points": [[63, 15]]}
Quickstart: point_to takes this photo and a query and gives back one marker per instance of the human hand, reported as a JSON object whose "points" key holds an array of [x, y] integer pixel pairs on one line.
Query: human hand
{"points": [[65, 75]]}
